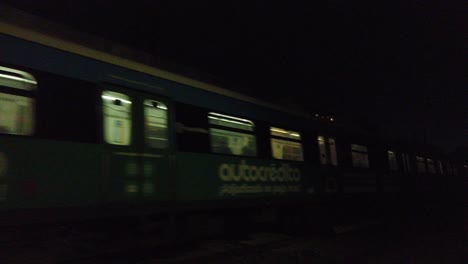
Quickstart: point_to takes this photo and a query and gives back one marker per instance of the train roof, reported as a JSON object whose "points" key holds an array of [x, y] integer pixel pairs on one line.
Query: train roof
{"points": [[19, 24]]}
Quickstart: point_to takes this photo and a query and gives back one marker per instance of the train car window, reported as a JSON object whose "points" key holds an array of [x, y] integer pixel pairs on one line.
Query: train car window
{"points": [[420, 165], [333, 156], [156, 134], [430, 166], [359, 156], [392, 160], [322, 150], [16, 102], [232, 135], [441, 168], [16, 114], [117, 118], [285, 144]]}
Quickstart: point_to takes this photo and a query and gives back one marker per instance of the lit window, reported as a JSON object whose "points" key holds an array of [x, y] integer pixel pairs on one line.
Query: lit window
{"points": [[232, 135], [430, 166], [322, 150], [285, 144], [156, 135], [117, 118], [359, 155], [420, 165], [17, 79], [16, 102], [392, 160]]}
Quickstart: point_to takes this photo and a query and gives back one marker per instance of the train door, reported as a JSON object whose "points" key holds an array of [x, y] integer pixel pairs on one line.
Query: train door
{"points": [[137, 145], [328, 162]]}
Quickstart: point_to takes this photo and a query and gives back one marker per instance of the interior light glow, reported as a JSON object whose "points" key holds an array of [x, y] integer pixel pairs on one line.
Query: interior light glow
{"points": [[356, 147], [279, 131], [331, 119], [112, 98], [131, 188], [158, 104], [21, 77], [229, 121], [282, 131], [231, 117], [15, 78]]}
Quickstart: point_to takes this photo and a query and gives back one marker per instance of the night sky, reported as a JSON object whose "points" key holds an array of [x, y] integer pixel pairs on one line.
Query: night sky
{"points": [[397, 66]]}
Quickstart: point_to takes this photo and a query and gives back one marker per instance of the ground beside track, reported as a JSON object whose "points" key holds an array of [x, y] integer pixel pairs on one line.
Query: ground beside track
{"points": [[426, 238]]}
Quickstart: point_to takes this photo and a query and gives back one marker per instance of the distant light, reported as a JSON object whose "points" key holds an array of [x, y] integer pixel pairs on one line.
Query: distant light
{"points": [[316, 115], [331, 119]]}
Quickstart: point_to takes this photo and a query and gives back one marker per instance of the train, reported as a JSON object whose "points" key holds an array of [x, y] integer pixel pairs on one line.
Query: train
{"points": [[88, 134]]}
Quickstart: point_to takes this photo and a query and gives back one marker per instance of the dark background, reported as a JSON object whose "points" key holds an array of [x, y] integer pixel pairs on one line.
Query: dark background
{"points": [[396, 67]]}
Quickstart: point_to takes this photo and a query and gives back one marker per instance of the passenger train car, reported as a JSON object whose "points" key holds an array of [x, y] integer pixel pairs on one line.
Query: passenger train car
{"points": [[88, 134]]}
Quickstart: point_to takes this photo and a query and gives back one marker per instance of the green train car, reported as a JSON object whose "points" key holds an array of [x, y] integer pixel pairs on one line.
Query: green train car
{"points": [[83, 129], [86, 134]]}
